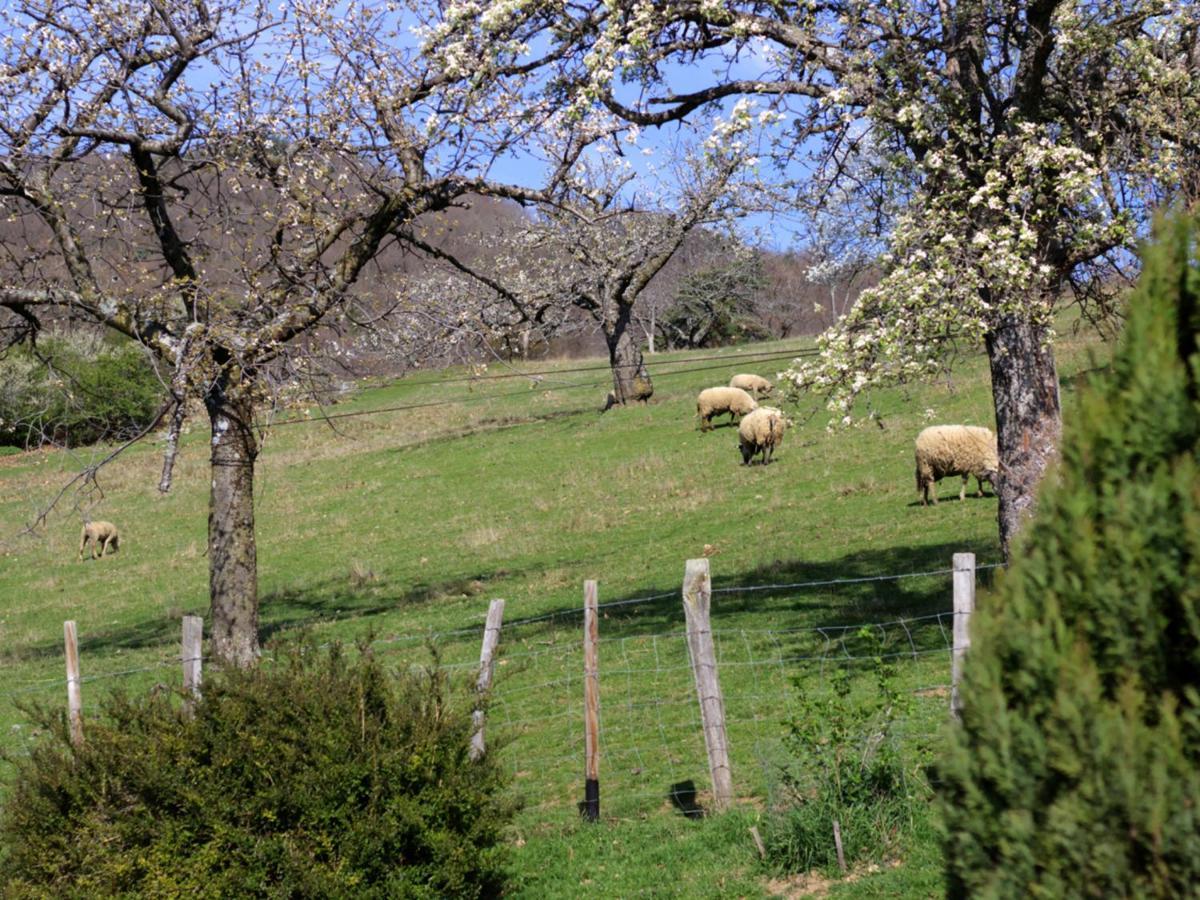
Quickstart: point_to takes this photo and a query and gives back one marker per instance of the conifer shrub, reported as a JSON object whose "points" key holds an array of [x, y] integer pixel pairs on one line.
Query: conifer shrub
{"points": [[313, 776], [1076, 771]]}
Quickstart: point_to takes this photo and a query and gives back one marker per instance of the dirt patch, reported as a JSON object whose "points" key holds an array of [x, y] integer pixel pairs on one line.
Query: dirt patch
{"points": [[815, 884], [809, 884]]}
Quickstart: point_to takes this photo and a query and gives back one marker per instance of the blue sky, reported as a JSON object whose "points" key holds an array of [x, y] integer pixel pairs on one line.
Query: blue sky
{"points": [[779, 231]]}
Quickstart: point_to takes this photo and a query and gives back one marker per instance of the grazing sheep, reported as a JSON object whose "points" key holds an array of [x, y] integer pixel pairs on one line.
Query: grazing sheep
{"points": [[966, 450], [720, 400], [101, 535], [761, 432], [753, 384]]}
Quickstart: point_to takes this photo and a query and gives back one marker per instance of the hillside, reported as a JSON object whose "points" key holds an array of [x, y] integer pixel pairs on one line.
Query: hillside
{"points": [[431, 495]]}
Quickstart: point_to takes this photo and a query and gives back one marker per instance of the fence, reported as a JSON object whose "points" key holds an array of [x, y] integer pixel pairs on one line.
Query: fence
{"points": [[688, 718]]}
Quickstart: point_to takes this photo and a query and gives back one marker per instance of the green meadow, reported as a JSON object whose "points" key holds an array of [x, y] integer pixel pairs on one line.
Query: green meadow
{"points": [[394, 523]]}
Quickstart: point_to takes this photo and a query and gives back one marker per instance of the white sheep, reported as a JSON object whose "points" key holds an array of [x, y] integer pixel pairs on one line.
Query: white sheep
{"points": [[753, 384], [761, 432], [720, 400], [103, 536], [966, 450]]}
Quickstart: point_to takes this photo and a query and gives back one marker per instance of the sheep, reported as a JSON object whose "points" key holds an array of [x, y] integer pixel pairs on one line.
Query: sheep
{"points": [[754, 384], [102, 535], [720, 400], [761, 432], [966, 450]]}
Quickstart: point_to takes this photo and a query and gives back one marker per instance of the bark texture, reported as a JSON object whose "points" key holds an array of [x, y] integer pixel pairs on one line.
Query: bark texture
{"points": [[1028, 417], [232, 554], [631, 381]]}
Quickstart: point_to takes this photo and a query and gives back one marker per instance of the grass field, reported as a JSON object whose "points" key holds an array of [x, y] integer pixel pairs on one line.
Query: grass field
{"points": [[399, 526]]}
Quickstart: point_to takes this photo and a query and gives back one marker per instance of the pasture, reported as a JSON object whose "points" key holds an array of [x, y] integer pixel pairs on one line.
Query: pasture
{"points": [[397, 527]]}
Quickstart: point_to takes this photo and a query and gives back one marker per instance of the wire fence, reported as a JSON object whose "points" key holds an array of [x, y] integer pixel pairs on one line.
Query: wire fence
{"points": [[538, 380], [772, 643], [652, 743]]}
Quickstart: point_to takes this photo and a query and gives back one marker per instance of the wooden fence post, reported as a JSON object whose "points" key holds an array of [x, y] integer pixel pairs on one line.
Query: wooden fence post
{"points": [[697, 596], [190, 654], [487, 665], [964, 605], [74, 694], [591, 702]]}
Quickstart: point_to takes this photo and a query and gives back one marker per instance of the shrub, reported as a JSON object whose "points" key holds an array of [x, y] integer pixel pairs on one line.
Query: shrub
{"points": [[1077, 768], [314, 776], [76, 390], [843, 767], [715, 306]]}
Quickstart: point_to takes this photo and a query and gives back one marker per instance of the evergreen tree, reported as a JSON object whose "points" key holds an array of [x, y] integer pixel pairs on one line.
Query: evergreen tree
{"points": [[1076, 771]]}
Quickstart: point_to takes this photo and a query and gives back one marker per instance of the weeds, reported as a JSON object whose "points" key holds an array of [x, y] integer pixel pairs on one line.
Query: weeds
{"points": [[845, 794]]}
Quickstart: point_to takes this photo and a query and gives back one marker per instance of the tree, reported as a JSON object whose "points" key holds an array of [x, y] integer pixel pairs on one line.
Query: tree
{"points": [[1019, 148], [599, 241], [1076, 771], [211, 179], [714, 305]]}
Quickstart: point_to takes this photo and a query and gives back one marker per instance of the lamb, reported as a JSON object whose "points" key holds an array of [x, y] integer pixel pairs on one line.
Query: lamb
{"points": [[754, 384], [101, 535], [966, 450], [761, 432], [720, 400]]}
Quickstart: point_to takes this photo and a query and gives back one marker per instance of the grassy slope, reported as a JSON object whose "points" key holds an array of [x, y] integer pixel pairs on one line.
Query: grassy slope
{"points": [[405, 522]]}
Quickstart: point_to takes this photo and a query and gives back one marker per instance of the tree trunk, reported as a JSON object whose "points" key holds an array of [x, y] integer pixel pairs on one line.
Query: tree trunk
{"points": [[1028, 417], [631, 381], [232, 556]]}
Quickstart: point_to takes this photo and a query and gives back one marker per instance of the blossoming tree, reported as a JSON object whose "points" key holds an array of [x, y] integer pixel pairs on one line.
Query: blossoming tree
{"points": [[211, 178], [595, 244], [1025, 145]]}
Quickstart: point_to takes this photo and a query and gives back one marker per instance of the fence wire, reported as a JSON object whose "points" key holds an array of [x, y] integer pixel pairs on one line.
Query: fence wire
{"points": [[653, 756], [652, 751]]}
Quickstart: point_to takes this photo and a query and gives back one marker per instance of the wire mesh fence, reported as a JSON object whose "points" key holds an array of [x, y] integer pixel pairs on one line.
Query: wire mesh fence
{"points": [[652, 748], [773, 642]]}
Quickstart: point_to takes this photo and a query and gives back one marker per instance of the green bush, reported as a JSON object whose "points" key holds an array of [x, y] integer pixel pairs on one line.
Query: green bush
{"points": [[314, 776], [715, 306], [844, 766], [1077, 768], [76, 390]]}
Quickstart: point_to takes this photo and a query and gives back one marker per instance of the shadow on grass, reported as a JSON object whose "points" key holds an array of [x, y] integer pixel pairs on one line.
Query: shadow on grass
{"points": [[784, 594], [334, 599], [843, 593], [683, 797], [788, 594], [953, 498], [492, 424], [338, 599]]}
